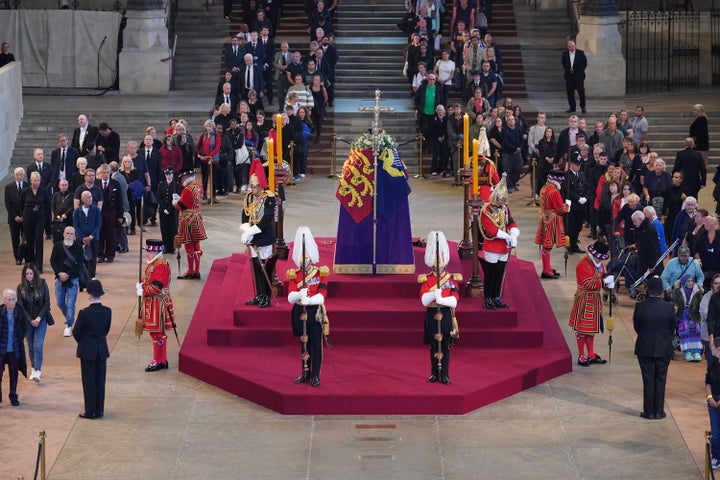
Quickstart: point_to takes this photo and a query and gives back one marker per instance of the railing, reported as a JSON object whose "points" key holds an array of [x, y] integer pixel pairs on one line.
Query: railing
{"points": [[573, 14], [662, 50]]}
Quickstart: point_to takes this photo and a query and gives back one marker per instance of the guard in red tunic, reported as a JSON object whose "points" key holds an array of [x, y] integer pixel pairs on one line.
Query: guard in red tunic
{"points": [[500, 234], [586, 313], [259, 233], [439, 293], [307, 287], [551, 230], [191, 229], [487, 177], [157, 307]]}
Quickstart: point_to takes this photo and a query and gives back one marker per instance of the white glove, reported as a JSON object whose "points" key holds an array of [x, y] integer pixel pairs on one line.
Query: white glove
{"points": [[166, 212], [246, 238], [608, 280], [176, 199], [514, 234], [316, 299], [582, 200], [139, 289], [438, 295], [293, 297], [449, 301], [427, 298], [503, 235], [610, 286], [568, 202]]}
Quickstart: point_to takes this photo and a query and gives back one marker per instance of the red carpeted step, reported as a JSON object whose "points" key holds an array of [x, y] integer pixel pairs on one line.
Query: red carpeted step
{"points": [[375, 367]]}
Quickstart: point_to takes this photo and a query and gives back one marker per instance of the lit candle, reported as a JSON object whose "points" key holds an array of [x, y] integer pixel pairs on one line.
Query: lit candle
{"points": [[278, 134], [271, 164], [466, 140], [475, 168]]}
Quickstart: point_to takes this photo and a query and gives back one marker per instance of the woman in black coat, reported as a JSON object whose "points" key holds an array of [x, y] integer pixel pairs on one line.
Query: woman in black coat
{"points": [[34, 203], [34, 297]]}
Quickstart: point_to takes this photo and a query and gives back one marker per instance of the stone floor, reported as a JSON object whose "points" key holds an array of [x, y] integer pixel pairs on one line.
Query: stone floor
{"points": [[165, 425]]}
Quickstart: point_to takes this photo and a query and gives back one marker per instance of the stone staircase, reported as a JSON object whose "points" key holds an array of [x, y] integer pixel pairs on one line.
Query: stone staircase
{"points": [[39, 128]]}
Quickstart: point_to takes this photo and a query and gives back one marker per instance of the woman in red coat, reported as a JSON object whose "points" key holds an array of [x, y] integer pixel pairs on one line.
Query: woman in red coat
{"points": [[586, 312]]}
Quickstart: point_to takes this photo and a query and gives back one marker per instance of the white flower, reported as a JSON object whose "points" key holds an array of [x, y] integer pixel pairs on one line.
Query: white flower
{"points": [[365, 141]]}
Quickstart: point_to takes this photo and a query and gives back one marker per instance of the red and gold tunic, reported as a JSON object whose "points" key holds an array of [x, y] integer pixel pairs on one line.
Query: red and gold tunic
{"points": [[551, 231], [450, 286], [587, 305], [315, 281], [190, 224], [487, 178], [493, 218], [157, 305]]}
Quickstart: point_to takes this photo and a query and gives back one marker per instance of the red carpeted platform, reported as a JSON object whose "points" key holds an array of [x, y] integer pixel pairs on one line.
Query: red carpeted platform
{"points": [[378, 364]]}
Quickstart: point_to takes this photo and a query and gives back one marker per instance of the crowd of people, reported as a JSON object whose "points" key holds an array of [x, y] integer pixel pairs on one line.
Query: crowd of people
{"points": [[86, 200], [258, 75]]}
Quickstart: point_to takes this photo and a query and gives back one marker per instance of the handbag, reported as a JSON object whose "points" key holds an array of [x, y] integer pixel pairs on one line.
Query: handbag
{"points": [[242, 155], [49, 318]]}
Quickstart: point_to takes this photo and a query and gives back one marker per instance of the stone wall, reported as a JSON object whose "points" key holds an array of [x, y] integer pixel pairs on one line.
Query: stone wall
{"points": [[12, 112]]}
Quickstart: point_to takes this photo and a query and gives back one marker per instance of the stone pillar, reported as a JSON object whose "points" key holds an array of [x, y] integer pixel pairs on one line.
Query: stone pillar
{"points": [[600, 39], [145, 44]]}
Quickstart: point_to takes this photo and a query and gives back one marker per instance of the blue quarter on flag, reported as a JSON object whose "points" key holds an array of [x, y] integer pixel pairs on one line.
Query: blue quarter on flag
{"points": [[392, 183]]}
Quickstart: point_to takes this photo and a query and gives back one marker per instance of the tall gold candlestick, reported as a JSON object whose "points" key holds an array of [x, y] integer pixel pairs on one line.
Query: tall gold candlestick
{"points": [[475, 179], [271, 164], [466, 140], [278, 134]]}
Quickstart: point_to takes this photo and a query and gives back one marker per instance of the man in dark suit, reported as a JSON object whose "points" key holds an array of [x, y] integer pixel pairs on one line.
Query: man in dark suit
{"points": [[63, 160], [234, 56], [108, 143], [267, 67], [250, 78], [153, 158], [255, 48], [13, 205], [84, 136], [654, 322], [576, 189], [90, 333], [691, 163], [227, 96], [46, 181], [574, 63], [112, 215]]}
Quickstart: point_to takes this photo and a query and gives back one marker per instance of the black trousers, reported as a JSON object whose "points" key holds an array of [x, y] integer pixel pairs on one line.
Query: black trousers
{"points": [[654, 374], [492, 278], [575, 220], [441, 152], [9, 359], [15, 231], [93, 374], [34, 229], [169, 228], [570, 86], [108, 235]]}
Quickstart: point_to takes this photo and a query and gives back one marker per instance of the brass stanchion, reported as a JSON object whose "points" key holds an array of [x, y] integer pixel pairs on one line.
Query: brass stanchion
{"points": [[465, 247], [41, 434], [333, 170], [533, 181], [458, 181], [281, 248], [420, 173], [291, 178], [709, 475], [474, 287], [211, 189]]}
